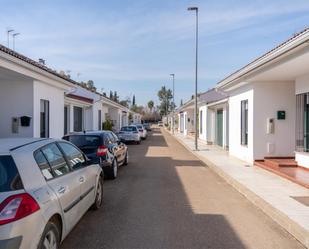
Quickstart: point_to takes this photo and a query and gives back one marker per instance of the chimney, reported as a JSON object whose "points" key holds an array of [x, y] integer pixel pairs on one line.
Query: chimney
{"points": [[42, 61]]}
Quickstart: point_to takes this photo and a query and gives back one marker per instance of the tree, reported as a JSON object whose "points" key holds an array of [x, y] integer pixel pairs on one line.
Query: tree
{"points": [[90, 85], [116, 97], [181, 102], [165, 95], [126, 102], [150, 105], [133, 100], [111, 95]]}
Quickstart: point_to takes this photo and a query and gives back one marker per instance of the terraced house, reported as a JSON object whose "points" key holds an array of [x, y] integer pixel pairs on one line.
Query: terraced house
{"points": [[36, 101]]}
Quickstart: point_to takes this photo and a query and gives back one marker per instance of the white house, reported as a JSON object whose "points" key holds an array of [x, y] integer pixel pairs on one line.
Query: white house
{"points": [[31, 97], [213, 118], [186, 118], [269, 104]]}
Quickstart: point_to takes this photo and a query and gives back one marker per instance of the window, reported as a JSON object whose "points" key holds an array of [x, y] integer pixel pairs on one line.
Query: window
{"points": [[43, 165], [55, 160], [99, 120], [74, 156], [111, 137], [201, 122], [82, 141], [44, 118], [78, 118], [244, 122], [9, 176]]}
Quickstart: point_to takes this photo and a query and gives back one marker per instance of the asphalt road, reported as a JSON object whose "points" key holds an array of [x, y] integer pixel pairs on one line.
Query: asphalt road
{"points": [[167, 198]]}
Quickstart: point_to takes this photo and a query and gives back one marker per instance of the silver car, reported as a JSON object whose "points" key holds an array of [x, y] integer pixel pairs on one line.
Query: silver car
{"points": [[129, 134], [142, 131], [46, 186]]}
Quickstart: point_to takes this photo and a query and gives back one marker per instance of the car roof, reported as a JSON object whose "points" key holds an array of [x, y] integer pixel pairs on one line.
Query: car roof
{"points": [[88, 133], [8, 145]]}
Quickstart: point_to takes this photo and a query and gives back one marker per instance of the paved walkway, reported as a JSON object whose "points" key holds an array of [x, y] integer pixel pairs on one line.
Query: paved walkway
{"points": [[286, 202]]}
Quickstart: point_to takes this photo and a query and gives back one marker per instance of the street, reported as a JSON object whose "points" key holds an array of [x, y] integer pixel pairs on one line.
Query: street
{"points": [[167, 198]]}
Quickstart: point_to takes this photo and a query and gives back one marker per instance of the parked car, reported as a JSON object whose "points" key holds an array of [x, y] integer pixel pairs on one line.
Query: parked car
{"points": [[102, 147], [147, 126], [129, 134], [160, 124], [142, 131], [46, 186]]}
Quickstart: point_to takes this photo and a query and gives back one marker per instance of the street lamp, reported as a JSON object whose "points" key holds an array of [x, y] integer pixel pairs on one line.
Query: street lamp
{"points": [[196, 64], [173, 106], [8, 36], [14, 35]]}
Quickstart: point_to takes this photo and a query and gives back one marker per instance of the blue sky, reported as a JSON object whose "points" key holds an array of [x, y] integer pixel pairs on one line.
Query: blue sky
{"points": [[132, 46]]}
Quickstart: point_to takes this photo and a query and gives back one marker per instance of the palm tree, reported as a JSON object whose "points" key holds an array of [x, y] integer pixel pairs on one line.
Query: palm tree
{"points": [[150, 105]]}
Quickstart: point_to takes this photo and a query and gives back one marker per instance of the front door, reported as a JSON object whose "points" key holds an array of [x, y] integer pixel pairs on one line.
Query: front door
{"points": [[219, 135]]}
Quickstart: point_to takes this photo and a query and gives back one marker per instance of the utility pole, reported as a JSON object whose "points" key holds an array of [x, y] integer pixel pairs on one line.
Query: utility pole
{"points": [[14, 35]]}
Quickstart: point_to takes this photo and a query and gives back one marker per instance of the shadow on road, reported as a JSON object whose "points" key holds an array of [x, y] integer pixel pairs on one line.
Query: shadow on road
{"points": [[148, 207]]}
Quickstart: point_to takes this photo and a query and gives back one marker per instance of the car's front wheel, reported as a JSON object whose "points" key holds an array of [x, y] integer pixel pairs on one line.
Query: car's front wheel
{"points": [[50, 238], [99, 195]]}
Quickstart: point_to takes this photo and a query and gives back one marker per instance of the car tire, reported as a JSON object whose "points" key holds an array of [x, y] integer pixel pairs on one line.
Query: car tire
{"points": [[126, 159], [50, 237], [139, 141], [113, 171], [99, 195]]}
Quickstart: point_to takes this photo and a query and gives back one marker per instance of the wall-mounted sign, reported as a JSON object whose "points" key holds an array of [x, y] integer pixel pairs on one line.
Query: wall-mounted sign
{"points": [[281, 115]]}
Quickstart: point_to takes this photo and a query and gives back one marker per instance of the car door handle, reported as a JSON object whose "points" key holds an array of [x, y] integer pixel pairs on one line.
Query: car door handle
{"points": [[81, 179], [61, 190]]}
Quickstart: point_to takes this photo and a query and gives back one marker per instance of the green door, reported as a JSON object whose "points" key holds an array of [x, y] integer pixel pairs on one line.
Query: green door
{"points": [[219, 135]]}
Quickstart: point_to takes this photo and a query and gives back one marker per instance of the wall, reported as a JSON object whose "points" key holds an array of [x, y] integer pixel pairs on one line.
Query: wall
{"points": [[203, 135], [302, 84], [16, 100], [55, 96], [270, 97], [235, 148]]}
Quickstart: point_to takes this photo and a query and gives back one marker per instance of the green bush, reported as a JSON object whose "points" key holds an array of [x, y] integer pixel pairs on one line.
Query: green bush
{"points": [[107, 125]]}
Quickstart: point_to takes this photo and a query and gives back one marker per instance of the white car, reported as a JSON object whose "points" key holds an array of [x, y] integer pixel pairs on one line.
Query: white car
{"points": [[46, 186], [142, 131], [129, 134]]}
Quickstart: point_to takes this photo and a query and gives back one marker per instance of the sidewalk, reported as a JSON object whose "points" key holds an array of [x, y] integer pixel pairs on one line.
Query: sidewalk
{"points": [[284, 201]]}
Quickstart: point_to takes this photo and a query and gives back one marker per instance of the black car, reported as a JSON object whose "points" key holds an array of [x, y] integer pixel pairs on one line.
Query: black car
{"points": [[101, 147]]}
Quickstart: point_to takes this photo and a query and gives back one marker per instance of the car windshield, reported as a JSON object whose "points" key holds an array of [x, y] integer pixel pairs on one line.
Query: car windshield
{"points": [[128, 128], [9, 176], [84, 140]]}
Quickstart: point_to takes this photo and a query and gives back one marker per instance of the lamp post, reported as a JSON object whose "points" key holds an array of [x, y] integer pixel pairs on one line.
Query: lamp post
{"points": [[173, 106], [8, 36], [14, 35], [196, 64]]}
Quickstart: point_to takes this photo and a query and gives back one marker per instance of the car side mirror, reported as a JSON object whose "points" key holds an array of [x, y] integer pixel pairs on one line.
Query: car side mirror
{"points": [[87, 162]]}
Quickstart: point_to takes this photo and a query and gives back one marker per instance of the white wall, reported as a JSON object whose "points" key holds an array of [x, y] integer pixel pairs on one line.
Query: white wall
{"points": [[302, 84], [270, 97], [16, 100], [235, 148], [203, 135], [55, 96]]}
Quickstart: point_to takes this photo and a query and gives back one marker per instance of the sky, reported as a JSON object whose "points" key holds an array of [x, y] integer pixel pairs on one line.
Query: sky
{"points": [[132, 46]]}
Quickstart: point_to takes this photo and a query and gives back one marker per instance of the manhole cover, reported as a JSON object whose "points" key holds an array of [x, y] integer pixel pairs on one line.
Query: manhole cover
{"points": [[302, 199]]}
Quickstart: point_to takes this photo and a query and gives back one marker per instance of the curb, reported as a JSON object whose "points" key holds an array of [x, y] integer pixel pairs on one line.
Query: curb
{"points": [[298, 232]]}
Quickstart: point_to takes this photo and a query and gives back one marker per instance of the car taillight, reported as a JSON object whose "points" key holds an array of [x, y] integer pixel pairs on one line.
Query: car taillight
{"points": [[17, 207], [102, 150], [140, 130]]}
